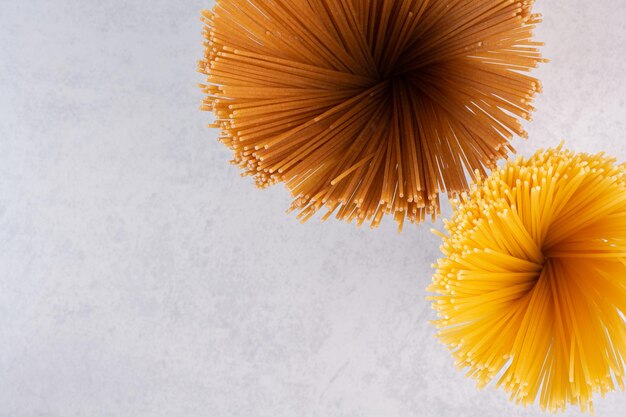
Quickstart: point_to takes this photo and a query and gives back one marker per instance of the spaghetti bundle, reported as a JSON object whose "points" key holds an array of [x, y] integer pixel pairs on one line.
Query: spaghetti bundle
{"points": [[532, 289], [369, 107]]}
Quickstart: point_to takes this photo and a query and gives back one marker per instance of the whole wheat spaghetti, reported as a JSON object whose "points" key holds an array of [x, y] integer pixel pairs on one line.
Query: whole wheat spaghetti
{"points": [[532, 289], [369, 107]]}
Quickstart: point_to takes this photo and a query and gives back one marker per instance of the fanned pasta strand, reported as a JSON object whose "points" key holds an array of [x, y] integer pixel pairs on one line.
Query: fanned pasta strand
{"points": [[531, 290], [369, 107]]}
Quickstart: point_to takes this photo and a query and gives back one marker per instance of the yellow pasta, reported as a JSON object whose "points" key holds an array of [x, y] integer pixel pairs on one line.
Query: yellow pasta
{"points": [[531, 291], [369, 107]]}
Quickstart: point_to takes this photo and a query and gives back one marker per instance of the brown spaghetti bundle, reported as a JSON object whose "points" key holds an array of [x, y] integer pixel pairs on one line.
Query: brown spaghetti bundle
{"points": [[532, 289], [369, 107]]}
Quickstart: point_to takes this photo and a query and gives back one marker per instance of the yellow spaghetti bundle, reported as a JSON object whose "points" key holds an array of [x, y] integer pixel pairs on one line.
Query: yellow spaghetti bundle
{"points": [[369, 107], [532, 289]]}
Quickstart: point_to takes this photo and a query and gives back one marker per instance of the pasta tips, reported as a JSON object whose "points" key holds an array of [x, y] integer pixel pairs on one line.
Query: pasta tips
{"points": [[369, 107], [532, 289]]}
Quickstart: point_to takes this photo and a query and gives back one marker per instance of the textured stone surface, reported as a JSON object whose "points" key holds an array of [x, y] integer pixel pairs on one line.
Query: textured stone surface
{"points": [[140, 275]]}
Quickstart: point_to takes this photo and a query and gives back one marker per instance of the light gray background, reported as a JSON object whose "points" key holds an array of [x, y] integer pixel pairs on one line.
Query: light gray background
{"points": [[141, 276]]}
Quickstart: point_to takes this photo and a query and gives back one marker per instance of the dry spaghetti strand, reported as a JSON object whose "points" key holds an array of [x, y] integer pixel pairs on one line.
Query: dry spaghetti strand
{"points": [[369, 107], [533, 283]]}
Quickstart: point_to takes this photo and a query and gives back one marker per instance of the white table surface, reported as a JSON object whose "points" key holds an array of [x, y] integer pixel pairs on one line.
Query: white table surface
{"points": [[141, 276]]}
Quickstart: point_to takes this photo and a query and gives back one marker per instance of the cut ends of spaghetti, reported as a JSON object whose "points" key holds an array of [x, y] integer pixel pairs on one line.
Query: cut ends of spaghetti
{"points": [[531, 291], [369, 107]]}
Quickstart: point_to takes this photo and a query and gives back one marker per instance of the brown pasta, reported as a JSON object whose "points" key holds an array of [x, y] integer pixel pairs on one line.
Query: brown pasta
{"points": [[369, 107]]}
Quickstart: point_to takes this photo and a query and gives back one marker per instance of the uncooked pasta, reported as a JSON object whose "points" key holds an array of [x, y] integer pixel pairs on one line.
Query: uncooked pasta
{"points": [[531, 292], [369, 107]]}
